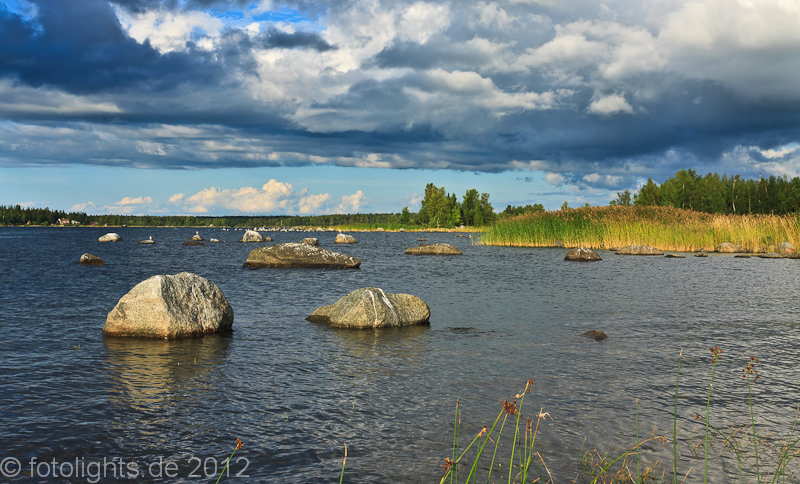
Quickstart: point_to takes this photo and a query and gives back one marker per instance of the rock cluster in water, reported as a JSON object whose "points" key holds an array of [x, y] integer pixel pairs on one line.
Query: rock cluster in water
{"points": [[295, 254], [171, 307], [371, 307], [433, 249]]}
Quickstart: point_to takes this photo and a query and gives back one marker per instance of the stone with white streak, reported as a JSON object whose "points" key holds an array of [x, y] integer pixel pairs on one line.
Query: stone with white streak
{"points": [[371, 307]]}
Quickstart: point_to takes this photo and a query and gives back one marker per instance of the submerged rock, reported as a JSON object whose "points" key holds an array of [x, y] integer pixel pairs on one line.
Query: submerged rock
{"points": [[251, 236], [371, 307], [785, 248], [433, 249], [770, 255], [345, 239], [742, 256], [582, 254], [639, 250], [595, 335], [110, 237], [701, 254], [194, 242], [728, 248], [674, 256], [295, 254], [420, 240], [181, 306], [90, 260], [310, 241]]}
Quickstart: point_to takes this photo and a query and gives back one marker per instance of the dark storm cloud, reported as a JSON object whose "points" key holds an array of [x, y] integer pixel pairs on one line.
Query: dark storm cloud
{"points": [[79, 46], [596, 97]]}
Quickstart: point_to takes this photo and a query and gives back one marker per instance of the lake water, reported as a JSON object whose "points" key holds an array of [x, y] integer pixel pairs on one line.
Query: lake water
{"points": [[295, 393]]}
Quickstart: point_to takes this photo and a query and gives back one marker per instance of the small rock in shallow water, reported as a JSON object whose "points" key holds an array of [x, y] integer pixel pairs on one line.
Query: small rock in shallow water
{"points": [[674, 256], [595, 335], [91, 260], [639, 250], [194, 242], [110, 237], [433, 249], [701, 254], [251, 236], [345, 239], [582, 254]]}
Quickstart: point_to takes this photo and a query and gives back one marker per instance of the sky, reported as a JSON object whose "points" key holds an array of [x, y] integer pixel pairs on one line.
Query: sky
{"points": [[227, 107]]}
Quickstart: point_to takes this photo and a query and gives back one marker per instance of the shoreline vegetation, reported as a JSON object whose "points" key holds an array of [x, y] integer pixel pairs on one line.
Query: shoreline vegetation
{"points": [[666, 228], [746, 450]]}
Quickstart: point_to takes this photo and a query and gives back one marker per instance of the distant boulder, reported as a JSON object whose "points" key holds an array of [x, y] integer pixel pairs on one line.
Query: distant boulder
{"points": [[742, 256], [196, 237], [639, 250], [310, 241], [251, 236], [345, 239], [582, 254], [110, 237], [785, 248], [380, 229], [674, 256], [701, 254], [433, 249], [371, 307], [420, 240], [149, 241], [294, 254], [90, 260], [558, 243], [595, 335], [214, 241], [728, 248], [171, 307]]}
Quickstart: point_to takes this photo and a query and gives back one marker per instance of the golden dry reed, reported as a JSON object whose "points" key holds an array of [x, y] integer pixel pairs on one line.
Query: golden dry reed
{"points": [[665, 228]]}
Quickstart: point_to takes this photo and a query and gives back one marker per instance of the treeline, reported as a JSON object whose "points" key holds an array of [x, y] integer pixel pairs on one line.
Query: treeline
{"points": [[18, 215], [443, 210], [714, 194]]}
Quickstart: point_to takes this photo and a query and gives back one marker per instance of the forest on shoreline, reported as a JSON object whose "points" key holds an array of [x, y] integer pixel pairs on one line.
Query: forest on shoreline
{"points": [[712, 194]]}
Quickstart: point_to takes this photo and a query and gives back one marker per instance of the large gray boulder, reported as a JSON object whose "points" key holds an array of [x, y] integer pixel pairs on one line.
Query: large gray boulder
{"points": [[728, 248], [345, 239], [110, 237], [785, 248], [371, 307], [90, 260], [582, 254], [639, 250], [251, 236], [433, 249], [295, 254], [171, 307]]}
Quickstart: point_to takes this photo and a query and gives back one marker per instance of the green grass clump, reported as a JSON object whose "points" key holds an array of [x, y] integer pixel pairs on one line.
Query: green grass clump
{"points": [[666, 228], [769, 462]]}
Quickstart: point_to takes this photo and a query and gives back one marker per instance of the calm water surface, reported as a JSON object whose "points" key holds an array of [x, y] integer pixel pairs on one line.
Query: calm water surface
{"points": [[296, 392]]}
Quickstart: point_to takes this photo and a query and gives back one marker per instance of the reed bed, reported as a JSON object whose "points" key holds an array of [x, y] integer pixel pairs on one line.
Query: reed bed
{"points": [[665, 228]]}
